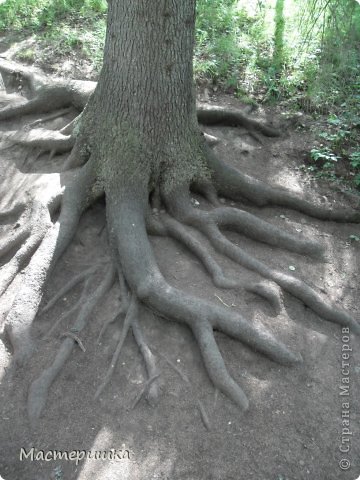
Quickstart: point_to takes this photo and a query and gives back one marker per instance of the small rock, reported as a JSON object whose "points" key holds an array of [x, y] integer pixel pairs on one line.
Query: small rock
{"points": [[222, 200], [292, 268], [155, 210], [178, 360], [282, 216], [298, 230]]}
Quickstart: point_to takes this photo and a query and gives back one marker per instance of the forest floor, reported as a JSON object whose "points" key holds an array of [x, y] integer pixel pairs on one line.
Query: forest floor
{"points": [[293, 429]]}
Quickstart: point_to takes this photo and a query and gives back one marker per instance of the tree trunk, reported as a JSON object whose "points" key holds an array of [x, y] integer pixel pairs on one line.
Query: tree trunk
{"points": [[142, 116]]}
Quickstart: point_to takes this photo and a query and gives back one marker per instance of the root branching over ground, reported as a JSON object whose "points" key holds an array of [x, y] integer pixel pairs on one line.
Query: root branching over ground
{"points": [[139, 204]]}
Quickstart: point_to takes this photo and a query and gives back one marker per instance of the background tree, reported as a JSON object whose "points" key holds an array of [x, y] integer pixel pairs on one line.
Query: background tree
{"points": [[138, 143]]}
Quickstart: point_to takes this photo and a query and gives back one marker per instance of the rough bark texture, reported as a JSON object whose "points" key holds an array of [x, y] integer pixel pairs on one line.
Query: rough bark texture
{"points": [[138, 142], [152, 135]]}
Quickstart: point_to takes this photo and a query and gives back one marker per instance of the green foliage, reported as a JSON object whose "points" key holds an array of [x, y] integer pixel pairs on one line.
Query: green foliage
{"points": [[354, 238], [306, 52], [27, 55], [338, 157], [36, 14], [278, 59], [59, 27]]}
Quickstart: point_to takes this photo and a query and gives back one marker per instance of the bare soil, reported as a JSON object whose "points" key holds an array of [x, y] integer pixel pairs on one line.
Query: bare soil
{"points": [[293, 429]]}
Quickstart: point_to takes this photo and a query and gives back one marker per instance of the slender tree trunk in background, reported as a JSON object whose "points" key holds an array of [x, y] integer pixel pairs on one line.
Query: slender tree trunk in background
{"points": [[278, 56]]}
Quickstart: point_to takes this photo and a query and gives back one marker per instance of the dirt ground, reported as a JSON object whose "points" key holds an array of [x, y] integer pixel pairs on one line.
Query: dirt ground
{"points": [[293, 429]]}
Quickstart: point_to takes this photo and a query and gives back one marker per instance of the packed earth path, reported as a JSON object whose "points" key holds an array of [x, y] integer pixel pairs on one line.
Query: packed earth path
{"points": [[90, 385]]}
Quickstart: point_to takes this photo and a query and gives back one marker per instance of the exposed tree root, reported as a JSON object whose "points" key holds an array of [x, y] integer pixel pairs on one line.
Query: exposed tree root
{"points": [[131, 321], [130, 315], [144, 390], [61, 94], [41, 138], [152, 390], [39, 388], [142, 274], [14, 212], [51, 116], [53, 240], [171, 227], [203, 413], [222, 116], [45, 140], [208, 223], [15, 240], [68, 287], [270, 291], [73, 310], [233, 184], [40, 242], [44, 97], [38, 226], [118, 315]]}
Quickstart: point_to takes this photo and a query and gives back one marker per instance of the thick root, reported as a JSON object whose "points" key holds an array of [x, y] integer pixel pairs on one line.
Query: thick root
{"points": [[44, 97], [170, 227], [58, 236], [38, 226], [14, 241], [143, 276], [233, 184], [212, 115], [270, 291], [51, 116], [241, 222], [180, 205], [46, 140]]}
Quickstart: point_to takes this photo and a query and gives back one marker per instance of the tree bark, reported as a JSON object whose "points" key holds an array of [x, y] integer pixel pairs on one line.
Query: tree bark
{"points": [[141, 125]]}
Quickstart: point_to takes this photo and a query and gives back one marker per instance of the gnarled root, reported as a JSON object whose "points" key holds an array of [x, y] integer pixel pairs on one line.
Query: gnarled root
{"points": [[145, 280], [209, 222], [233, 184], [50, 240], [45, 140], [213, 115], [131, 311], [39, 243]]}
